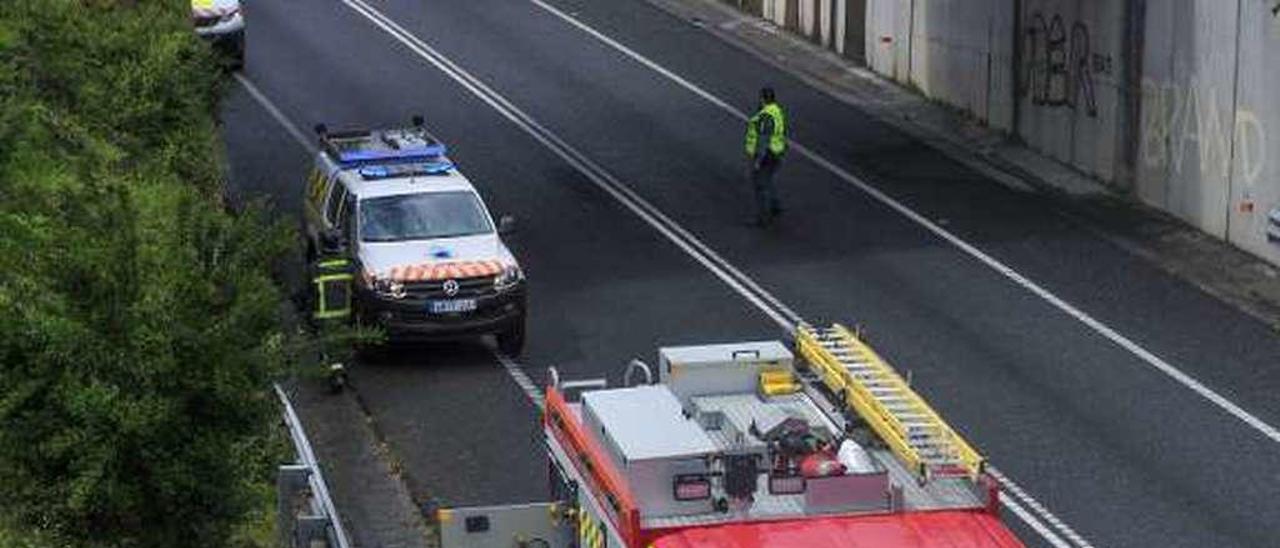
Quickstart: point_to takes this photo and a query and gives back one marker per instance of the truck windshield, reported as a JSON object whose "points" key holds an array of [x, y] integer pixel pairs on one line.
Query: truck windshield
{"points": [[422, 216]]}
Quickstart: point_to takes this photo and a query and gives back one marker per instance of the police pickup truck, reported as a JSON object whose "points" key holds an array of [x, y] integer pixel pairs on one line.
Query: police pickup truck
{"points": [[429, 262]]}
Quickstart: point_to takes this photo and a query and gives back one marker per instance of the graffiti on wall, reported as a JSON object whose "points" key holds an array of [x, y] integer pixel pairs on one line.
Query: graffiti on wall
{"points": [[1186, 121], [1275, 19], [1059, 64]]}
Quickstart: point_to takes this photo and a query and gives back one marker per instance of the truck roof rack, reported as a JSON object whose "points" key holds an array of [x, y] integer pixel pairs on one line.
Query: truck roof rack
{"points": [[355, 148]]}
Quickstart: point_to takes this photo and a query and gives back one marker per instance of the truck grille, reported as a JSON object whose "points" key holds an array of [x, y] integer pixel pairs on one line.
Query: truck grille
{"points": [[467, 288]]}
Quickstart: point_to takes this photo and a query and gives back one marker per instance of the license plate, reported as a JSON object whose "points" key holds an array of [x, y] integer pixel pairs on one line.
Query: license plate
{"points": [[451, 307]]}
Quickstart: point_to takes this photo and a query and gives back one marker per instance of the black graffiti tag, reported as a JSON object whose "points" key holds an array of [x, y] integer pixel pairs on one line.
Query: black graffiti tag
{"points": [[1059, 69]]}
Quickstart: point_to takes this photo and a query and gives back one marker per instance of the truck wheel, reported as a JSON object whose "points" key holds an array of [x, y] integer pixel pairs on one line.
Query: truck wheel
{"points": [[237, 54], [511, 341]]}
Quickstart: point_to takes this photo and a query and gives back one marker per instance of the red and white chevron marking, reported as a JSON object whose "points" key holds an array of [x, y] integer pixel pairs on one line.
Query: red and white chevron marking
{"points": [[445, 271]]}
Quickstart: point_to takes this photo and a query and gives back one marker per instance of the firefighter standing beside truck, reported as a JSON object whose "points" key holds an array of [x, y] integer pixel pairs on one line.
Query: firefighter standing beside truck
{"points": [[331, 277]]}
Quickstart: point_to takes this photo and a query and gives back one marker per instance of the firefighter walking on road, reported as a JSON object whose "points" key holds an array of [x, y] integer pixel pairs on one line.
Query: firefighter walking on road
{"points": [[765, 143]]}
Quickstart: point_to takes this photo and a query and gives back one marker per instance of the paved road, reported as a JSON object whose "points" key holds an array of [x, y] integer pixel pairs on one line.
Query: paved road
{"points": [[1120, 451]]}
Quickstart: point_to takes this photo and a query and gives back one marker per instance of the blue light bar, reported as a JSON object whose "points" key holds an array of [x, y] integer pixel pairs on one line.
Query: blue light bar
{"points": [[357, 148], [360, 156], [394, 171]]}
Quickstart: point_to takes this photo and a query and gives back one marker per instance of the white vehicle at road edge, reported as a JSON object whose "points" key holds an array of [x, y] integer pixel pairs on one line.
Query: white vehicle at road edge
{"points": [[222, 23], [430, 262]]}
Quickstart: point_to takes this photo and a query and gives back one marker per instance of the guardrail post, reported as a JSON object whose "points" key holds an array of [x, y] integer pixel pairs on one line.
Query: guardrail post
{"points": [[291, 481], [309, 529]]}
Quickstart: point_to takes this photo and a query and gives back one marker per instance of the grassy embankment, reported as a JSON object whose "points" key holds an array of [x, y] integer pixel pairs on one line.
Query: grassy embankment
{"points": [[139, 320]]}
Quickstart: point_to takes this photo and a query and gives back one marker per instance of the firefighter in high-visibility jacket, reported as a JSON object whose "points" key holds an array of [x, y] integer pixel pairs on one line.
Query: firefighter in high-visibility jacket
{"points": [[332, 276], [765, 143]]}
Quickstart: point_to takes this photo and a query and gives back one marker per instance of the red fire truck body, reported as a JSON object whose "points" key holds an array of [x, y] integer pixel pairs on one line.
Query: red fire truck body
{"points": [[738, 446]]}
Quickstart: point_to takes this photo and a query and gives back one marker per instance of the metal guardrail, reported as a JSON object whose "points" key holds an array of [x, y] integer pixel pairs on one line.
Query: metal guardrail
{"points": [[320, 521]]}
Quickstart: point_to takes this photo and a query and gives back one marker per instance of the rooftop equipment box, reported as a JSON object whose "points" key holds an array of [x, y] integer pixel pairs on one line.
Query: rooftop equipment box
{"points": [[651, 441], [715, 369]]}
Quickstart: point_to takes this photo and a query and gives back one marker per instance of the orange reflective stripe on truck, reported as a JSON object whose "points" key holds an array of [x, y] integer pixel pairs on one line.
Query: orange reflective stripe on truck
{"points": [[591, 461]]}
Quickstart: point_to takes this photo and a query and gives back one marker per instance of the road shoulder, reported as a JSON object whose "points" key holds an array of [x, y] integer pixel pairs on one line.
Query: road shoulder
{"points": [[363, 476]]}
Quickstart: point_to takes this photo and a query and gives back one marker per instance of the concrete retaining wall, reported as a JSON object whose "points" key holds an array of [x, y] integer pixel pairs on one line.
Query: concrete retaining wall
{"points": [[837, 25], [1070, 82], [1173, 99], [1211, 71]]}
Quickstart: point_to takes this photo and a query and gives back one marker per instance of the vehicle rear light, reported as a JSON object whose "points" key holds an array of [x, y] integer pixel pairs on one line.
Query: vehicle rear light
{"points": [[786, 485], [692, 487]]}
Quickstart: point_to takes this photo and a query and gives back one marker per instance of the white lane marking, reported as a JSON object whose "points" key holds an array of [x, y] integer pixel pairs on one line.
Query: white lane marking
{"points": [[1011, 488], [275, 112], [1120, 340], [608, 183], [1034, 523], [599, 176], [516, 371]]}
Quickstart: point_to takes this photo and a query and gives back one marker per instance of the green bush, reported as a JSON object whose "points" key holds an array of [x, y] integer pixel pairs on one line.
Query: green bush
{"points": [[140, 325]]}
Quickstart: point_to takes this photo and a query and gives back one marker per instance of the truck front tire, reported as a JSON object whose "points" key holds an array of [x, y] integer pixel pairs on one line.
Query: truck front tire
{"points": [[511, 341]]}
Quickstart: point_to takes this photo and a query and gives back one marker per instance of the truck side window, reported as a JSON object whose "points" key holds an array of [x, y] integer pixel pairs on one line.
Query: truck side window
{"points": [[345, 221], [337, 195]]}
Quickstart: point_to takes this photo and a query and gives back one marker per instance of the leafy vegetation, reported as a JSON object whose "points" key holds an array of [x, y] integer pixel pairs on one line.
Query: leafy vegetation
{"points": [[140, 324]]}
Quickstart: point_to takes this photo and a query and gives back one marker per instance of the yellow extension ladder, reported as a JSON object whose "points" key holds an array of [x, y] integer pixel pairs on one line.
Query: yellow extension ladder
{"points": [[873, 390]]}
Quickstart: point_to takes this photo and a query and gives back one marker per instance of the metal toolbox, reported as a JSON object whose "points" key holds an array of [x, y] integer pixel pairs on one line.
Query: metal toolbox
{"points": [[652, 443], [707, 370]]}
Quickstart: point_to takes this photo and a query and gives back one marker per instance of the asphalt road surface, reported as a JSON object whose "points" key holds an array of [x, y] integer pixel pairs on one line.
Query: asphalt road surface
{"points": [[1120, 451]]}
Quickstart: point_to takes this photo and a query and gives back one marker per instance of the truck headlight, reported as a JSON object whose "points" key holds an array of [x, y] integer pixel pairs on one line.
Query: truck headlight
{"points": [[388, 288], [510, 276]]}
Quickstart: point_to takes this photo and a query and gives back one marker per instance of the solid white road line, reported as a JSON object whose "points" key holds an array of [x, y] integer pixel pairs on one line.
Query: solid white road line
{"points": [[1100, 328], [740, 282], [274, 111]]}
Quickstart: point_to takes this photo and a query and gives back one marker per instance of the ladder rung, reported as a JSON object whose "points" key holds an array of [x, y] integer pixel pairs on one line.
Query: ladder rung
{"points": [[909, 414]]}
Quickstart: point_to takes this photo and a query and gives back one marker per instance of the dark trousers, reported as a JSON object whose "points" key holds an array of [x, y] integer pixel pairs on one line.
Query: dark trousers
{"points": [[767, 204]]}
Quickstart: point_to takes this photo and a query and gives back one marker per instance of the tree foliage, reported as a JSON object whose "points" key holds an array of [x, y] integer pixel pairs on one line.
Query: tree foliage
{"points": [[139, 322]]}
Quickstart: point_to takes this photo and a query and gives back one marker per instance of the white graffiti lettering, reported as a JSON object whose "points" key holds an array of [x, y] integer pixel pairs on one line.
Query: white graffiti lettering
{"points": [[1177, 120]]}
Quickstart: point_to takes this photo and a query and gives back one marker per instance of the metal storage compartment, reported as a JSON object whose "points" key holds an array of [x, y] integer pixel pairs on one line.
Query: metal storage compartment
{"points": [[720, 369], [651, 441]]}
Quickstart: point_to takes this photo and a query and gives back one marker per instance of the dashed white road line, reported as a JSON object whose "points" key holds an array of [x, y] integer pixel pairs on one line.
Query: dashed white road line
{"points": [[1097, 326], [516, 371], [1034, 523], [1009, 488]]}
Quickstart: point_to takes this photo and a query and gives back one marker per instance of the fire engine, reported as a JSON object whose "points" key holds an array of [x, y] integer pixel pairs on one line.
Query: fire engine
{"points": [[816, 443]]}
